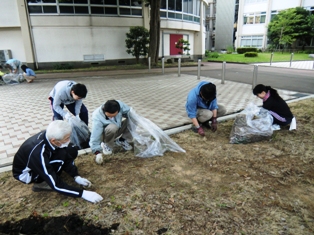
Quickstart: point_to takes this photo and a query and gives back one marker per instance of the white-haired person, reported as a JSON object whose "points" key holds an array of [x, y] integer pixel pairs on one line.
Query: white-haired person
{"points": [[41, 159]]}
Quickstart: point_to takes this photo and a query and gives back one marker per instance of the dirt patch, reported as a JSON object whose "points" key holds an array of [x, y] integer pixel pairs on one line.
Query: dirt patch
{"points": [[265, 187]]}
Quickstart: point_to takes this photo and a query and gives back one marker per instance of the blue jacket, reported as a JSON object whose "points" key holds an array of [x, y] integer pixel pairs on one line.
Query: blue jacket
{"points": [[195, 101], [100, 121]]}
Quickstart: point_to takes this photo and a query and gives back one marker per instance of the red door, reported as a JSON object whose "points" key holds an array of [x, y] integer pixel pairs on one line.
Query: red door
{"points": [[174, 38]]}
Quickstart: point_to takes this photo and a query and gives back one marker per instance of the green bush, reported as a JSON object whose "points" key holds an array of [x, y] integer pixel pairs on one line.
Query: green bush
{"points": [[62, 66], [169, 61], [213, 55], [250, 54], [242, 50], [207, 53]]}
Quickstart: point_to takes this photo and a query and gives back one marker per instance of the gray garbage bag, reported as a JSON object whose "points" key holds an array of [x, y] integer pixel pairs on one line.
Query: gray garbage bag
{"points": [[149, 139], [251, 125], [12, 79], [80, 133]]}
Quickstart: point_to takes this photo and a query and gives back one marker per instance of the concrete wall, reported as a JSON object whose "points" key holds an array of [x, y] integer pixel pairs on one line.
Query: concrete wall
{"points": [[280, 5], [224, 24]]}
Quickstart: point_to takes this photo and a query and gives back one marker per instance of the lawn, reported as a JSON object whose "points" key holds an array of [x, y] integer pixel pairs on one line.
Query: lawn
{"points": [[261, 58]]}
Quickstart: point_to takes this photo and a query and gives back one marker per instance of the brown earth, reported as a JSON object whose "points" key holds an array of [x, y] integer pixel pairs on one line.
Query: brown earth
{"points": [[215, 188]]}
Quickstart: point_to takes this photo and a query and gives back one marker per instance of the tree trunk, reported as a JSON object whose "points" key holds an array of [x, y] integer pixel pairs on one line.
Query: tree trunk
{"points": [[154, 32]]}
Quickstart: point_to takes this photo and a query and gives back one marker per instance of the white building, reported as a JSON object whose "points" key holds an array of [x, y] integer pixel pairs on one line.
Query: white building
{"points": [[254, 16], [43, 33]]}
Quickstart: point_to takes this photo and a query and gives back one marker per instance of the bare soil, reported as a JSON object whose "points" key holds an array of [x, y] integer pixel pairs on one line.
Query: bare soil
{"points": [[216, 187]]}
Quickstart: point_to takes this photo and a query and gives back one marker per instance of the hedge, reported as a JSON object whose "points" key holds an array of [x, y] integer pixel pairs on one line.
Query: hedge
{"points": [[242, 50], [250, 54]]}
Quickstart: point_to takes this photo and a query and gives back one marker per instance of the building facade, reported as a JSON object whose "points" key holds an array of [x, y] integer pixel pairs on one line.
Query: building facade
{"points": [[254, 16], [43, 33]]}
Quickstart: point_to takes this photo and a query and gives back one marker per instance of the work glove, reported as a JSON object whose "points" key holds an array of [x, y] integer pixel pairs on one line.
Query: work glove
{"points": [[99, 158], [78, 117], [67, 116], [82, 181], [200, 131], [214, 124], [91, 196]]}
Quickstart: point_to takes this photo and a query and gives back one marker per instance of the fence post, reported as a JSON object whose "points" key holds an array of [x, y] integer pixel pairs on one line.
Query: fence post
{"points": [[179, 67], [163, 65], [291, 59], [149, 64], [199, 69], [223, 72], [254, 76], [271, 58]]}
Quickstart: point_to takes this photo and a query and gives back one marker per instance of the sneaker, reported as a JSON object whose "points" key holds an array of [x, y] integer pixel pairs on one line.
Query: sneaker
{"points": [[43, 186], [206, 125], [194, 129], [106, 149], [124, 144]]}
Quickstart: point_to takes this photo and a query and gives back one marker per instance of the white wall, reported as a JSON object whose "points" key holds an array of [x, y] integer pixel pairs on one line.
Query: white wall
{"points": [[11, 39], [280, 4], [256, 7], [253, 29], [308, 3], [9, 16]]}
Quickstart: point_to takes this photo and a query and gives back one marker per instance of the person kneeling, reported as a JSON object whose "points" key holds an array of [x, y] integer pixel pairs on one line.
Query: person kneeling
{"points": [[42, 158], [107, 126]]}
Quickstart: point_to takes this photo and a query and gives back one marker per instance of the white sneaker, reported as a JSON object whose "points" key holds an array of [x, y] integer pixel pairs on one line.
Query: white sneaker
{"points": [[106, 149], [99, 159], [124, 144]]}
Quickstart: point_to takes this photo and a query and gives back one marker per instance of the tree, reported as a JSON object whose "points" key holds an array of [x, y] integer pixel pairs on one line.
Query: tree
{"points": [[154, 31], [288, 26], [137, 42], [184, 46]]}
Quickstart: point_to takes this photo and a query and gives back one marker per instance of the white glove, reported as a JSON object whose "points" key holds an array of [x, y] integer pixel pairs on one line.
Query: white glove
{"points": [[78, 117], [91, 196], [82, 181], [67, 116], [99, 159]]}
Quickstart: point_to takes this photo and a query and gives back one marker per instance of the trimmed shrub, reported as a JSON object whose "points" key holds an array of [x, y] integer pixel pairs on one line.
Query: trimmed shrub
{"points": [[250, 54], [213, 55], [207, 52], [242, 50]]}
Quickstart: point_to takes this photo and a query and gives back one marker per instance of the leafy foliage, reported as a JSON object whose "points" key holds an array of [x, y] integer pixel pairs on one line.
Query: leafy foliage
{"points": [[183, 45], [250, 54], [137, 42], [242, 50], [291, 25]]}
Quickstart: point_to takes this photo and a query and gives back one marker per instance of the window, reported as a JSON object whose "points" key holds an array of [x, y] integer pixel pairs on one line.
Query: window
{"points": [[254, 18], [252, 41]]}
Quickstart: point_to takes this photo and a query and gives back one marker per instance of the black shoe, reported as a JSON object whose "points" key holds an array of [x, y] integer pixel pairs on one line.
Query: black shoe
{"points": [[39, 187], [206, 125]]}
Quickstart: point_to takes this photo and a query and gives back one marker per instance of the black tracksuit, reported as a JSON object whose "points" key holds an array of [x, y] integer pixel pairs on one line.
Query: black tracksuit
{"points": [[37, 161], [280, 107]]}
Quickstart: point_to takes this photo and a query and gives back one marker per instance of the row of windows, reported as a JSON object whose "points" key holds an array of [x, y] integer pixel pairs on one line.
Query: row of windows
{"points": [[187, 10], [252, 41], [254, 18]]}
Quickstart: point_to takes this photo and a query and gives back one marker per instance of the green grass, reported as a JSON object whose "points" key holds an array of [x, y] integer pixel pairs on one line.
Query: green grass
{"points": [[261, 58]]}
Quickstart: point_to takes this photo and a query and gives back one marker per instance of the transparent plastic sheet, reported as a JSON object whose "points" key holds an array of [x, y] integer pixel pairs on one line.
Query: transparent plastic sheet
{"points": [[12, 79], [149, 139], [251, 125], [80, 133]]}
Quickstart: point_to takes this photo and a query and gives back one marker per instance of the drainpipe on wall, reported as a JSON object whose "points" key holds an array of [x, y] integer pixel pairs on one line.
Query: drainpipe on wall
{"points": [[31, 36]]}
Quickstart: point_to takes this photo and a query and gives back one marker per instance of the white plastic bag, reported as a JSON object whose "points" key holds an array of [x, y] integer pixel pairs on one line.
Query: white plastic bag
{"points": [[149, 139], [80, 133], [12, 79], [251, 125]]}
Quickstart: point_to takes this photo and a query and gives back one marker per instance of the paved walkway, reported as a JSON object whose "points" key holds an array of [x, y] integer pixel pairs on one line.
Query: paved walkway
{"points": [[294, 64], [25, 109]]}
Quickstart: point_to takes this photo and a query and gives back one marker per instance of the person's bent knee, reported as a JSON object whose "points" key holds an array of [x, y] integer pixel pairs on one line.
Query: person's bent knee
{"points": [[111, 128]]}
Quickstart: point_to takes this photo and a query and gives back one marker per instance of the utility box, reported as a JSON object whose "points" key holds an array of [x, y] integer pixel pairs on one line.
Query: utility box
{"points": [[5, 55]]}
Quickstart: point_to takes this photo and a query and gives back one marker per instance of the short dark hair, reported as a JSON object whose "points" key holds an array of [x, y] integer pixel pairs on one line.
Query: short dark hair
{"points": [[80, 90], [111, 106], [208, 91]]}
